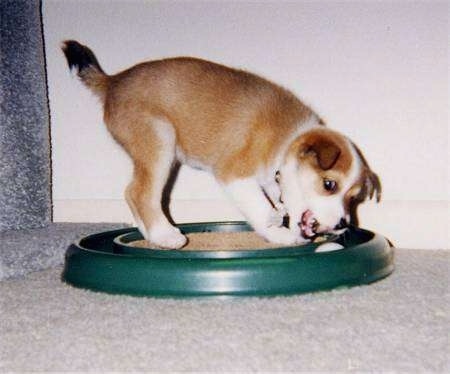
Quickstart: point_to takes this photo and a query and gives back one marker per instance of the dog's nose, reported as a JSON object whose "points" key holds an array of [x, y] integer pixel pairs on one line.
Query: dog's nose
{"points": [[342, 224]]}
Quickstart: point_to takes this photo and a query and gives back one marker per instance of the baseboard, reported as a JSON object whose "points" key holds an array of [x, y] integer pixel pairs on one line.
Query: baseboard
{"points": [[408, 224]]}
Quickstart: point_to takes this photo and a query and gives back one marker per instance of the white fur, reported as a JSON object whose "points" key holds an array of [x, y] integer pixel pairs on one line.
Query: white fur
{"points": [[165, 235], [273, 192], [250, 199], [267, 176]]}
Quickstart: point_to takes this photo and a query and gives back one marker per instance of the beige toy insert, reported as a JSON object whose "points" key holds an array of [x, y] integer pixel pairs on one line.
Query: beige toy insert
{"points": [[219, 241]]}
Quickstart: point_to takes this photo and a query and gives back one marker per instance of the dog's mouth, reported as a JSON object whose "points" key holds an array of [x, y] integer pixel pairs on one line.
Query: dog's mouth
{"points": [[308, 225]]}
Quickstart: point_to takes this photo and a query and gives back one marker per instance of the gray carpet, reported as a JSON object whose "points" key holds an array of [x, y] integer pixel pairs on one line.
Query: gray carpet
{"points": [[24, 251], [25, 172], [398, 324]]}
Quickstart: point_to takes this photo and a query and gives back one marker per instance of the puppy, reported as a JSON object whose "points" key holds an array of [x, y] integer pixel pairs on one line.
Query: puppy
{"points": [[270, 152]]}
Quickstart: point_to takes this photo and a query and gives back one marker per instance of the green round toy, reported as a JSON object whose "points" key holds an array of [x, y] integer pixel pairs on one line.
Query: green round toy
{"points": [[107, 262]]}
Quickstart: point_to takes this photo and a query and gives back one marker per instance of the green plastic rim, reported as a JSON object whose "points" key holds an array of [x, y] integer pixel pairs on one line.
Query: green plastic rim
{"points": [[105, 262]]}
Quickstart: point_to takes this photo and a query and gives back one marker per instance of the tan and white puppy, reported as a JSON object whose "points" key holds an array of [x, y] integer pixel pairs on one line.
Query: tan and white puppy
{"points": [[270, 152]]}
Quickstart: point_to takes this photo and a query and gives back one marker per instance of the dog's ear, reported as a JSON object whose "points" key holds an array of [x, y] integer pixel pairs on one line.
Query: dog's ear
{"points": [[371, 182], [373, 185], [325, 151]]}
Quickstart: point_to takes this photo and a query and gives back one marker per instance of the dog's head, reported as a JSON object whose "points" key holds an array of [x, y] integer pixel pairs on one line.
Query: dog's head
{"points": [[324, 177]]}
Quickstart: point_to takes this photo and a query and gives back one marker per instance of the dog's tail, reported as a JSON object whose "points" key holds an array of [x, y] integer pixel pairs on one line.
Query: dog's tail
{"points": [[88, 68]]}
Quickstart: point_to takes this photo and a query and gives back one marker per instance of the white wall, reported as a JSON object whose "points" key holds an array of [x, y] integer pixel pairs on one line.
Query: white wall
{"points": [[377, 71]]}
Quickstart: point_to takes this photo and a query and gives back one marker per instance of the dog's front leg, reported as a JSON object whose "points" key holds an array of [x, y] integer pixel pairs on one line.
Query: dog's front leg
{"points": [[250, 199]]}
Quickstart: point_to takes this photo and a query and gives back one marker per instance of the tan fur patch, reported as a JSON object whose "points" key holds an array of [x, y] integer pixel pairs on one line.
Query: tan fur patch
{"points": [[337, 159], [227, 119], [310, 145]]}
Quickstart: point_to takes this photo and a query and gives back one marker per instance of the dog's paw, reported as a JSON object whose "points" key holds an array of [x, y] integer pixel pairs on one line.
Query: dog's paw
{"points": [[282, 235], [168, 237]]}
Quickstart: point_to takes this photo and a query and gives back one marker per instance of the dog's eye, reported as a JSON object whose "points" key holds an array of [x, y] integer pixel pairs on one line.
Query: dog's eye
{"points": [[329, 185]]}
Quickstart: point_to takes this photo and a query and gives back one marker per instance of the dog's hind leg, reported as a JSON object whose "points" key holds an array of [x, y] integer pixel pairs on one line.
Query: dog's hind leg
{"points": [[151, 145]]}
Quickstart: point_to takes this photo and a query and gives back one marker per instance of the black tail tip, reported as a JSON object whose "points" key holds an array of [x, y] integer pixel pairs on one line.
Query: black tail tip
{"points": [[79, 56]]}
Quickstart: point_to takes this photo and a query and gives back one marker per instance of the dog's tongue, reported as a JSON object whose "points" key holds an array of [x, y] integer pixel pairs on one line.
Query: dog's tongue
{"points": [[307, 223]]}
